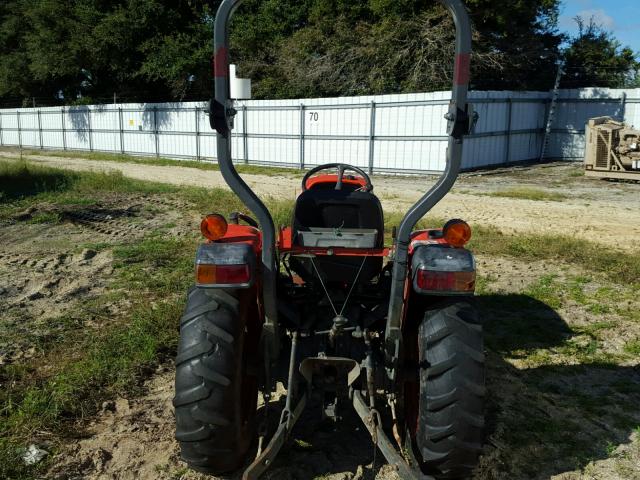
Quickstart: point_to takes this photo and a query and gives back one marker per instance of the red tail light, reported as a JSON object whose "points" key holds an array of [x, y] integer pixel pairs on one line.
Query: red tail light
{"points": [[222, 274], [433, 281]]}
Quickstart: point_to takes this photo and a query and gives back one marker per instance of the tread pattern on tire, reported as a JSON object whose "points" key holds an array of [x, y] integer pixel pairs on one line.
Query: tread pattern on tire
{"points": [[214, 434], [451, 420]]}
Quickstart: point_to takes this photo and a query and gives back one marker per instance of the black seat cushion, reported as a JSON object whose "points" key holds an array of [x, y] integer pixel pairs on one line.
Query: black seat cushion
{"points": [[324, 208]]}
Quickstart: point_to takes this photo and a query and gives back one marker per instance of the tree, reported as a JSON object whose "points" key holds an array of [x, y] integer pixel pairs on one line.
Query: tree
{"points": [[140, 49], [383, 46], [156, 50], [595, 58]]}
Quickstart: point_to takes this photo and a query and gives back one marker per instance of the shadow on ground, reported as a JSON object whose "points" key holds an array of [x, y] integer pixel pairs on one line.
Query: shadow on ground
{"points": [[549, 418], [541, 421], [18, 183]]}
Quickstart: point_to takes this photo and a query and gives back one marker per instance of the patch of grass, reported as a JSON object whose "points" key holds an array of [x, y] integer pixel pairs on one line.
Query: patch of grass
{"points": [[22, 180], [598, 309], [575, 288], [162, 161], [85, 365], [162, 265], [546, 290], [633, 347], [483, 283], [616, 265], [626, 387], [111, 362], [19, 180], [519, 325], [97, 246], [525, 193], [302, 444], [45, 217], [594, 329], [31, 184], [611, 448]]}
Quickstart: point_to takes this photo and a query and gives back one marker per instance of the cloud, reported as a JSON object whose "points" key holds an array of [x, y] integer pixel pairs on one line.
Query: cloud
{"points": [[599, 16]]}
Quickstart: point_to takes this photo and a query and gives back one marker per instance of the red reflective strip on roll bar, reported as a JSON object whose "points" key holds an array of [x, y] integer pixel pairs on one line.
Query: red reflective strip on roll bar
{"points": [[221, 63], [462, 66]]}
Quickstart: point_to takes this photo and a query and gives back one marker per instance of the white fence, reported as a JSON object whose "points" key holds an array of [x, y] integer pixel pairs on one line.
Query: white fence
{"points": [[387, 133]]}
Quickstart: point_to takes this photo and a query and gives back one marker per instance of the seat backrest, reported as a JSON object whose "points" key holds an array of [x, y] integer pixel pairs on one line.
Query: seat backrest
{"points": [[324, 208], [330, 208]]}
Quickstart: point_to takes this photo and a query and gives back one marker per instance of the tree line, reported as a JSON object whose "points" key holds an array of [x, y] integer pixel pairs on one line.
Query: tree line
{"points": [[88, 51]]}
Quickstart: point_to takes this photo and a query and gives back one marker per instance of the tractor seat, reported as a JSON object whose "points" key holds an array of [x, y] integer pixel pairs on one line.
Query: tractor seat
{"points": [[346, 209], [338, 209]]}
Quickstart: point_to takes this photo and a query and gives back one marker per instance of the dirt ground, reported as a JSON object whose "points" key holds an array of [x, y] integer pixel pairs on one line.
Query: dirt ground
{"points": [[605, 212], [549, 416]]}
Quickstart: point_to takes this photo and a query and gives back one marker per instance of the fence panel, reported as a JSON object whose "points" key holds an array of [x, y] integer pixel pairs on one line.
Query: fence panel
{"points": [[383, 133]]}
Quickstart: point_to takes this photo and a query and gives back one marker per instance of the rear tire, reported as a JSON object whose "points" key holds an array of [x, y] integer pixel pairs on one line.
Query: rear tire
{"points": [[450, 425], [215, 398]]}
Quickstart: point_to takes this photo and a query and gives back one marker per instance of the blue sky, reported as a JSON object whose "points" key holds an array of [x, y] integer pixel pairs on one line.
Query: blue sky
{"points": [[622, 17]]}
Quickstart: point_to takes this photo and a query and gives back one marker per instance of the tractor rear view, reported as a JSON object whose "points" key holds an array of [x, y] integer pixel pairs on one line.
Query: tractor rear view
{"points": [[325, 307]]}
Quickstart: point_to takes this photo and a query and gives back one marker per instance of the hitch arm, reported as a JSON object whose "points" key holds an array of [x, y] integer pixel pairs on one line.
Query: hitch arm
{"points": [[405, 471]]}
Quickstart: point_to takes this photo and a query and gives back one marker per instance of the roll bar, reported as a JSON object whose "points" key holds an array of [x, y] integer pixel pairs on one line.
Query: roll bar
{"points": [[221, 117], [221, 113], [457, 126]]}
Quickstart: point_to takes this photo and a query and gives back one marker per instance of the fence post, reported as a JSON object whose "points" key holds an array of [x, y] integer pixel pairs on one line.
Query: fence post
{"points": [[121, 125], [245, 135], [64, 131], [1, 133], [623, 106], [197, 133], [40, 128], [155, 129], [372, 135], [19, 130], [507, 147], [301, 136], [90, 131]]}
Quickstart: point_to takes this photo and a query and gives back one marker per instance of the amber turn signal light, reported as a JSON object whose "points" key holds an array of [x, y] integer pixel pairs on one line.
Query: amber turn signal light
{"points": [[456, 232], [213, 226]]}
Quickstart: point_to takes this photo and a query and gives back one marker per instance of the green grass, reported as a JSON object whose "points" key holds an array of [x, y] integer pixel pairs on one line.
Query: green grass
{"points": [[21, 180], [87, 365], [45, 217], [546, 291], [161, 161], [618, 266], [525, 193], [633, 347]]}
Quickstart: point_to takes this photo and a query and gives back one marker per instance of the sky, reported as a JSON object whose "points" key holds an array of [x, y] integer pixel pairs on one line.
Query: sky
{"points": [[622, 17]]}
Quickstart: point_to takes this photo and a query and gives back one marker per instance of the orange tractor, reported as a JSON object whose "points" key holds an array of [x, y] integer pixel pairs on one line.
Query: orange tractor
{"points": [[326, 308]]}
